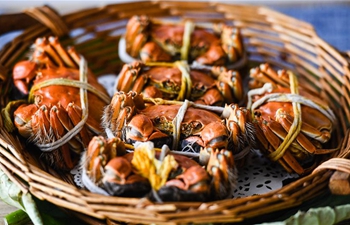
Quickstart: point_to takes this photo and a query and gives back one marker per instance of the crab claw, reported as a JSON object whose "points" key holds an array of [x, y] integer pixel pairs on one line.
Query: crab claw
{"points": [[189, 182], [100, 151], [23, 73], [22, 119], [215, 136], [121, 109], [194, 179], [221, 167], [117, 170], [140, 128], [231, 85], [152, 52], [120, 180]]}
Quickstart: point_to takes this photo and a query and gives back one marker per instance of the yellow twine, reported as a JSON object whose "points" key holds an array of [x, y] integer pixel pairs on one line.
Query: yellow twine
{"points": [[146, 164], [186, 41], [296, 126], [84, 106], [186, 82], [68, 82]]}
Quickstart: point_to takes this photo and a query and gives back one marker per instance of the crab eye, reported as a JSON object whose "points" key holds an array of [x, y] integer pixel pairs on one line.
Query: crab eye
{"points": [[132, 132], [19, 121], [169, 83], [198, 126], [234, 75]]}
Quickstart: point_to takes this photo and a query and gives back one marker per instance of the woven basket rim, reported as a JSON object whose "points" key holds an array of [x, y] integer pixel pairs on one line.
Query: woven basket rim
{"points": [[298, 37]]}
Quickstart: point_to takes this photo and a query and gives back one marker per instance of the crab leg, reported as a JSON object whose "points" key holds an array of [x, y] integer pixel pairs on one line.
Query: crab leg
{"points": [[301, 139], [232, 42], [58, 128], [221, 167], [265, 74], [65, 122], [23, 73], [120, 110], [59, 131], [42, 58], [139, 84], [118, 120], [96, 157], [43, 45], [135, 35], [75, 114], [152, 52], [127, 76], [63, 54], [308, 130], [75, 56], [269, 139], [225, 90], [234, 82], [41, 125], [285, 121]]}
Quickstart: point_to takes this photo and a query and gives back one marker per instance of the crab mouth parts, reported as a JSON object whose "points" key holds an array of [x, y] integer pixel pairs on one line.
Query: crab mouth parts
{"points": [[129, 134]]}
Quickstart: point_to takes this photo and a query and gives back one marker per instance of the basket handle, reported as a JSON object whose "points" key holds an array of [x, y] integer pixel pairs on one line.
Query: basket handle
{"points": [[16, 21], [339, 182], [44, 15]]}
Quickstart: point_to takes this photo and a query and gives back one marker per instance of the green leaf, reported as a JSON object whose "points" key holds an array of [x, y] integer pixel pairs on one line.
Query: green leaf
{"points": [[11, 194], [18, 217], [317, 216]]}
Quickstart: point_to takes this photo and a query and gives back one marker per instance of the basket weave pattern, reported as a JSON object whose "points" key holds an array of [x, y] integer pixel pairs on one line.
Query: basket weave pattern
{"points": [[269, 37]]}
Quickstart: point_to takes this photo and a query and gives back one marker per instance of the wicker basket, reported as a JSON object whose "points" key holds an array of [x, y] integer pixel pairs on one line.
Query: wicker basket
{"points": [[269, 37]]}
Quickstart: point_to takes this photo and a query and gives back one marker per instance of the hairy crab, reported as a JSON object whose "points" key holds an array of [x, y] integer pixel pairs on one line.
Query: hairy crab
{"points": [[185, 126], [154, 41], [65, 102], [178, 81], [293, 124], [158, 174]]}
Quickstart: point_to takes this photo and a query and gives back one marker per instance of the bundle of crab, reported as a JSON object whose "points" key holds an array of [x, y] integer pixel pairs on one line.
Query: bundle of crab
{"points": [[62, 103], [152, 40], [165, 147]]}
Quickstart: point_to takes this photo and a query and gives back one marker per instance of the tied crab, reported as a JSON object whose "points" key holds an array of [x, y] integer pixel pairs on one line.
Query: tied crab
{"points": [[185, 126], [158, 174], [65, 102], [178, 81], [293, 123], [156, 41]]}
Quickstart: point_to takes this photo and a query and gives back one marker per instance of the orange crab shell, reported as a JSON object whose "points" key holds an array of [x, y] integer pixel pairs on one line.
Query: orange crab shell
{"points": [[155, 41], [274, 120], [63, 95], [178, 81], [54, 107]]}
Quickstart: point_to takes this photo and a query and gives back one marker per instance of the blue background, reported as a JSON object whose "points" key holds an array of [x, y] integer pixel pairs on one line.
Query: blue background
{"points": [[330, 20]]}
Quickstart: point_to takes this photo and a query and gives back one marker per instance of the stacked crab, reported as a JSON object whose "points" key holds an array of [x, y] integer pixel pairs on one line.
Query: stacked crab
{"points": [[293, 122], [64, 102], [179, 122], [174, 93]]}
